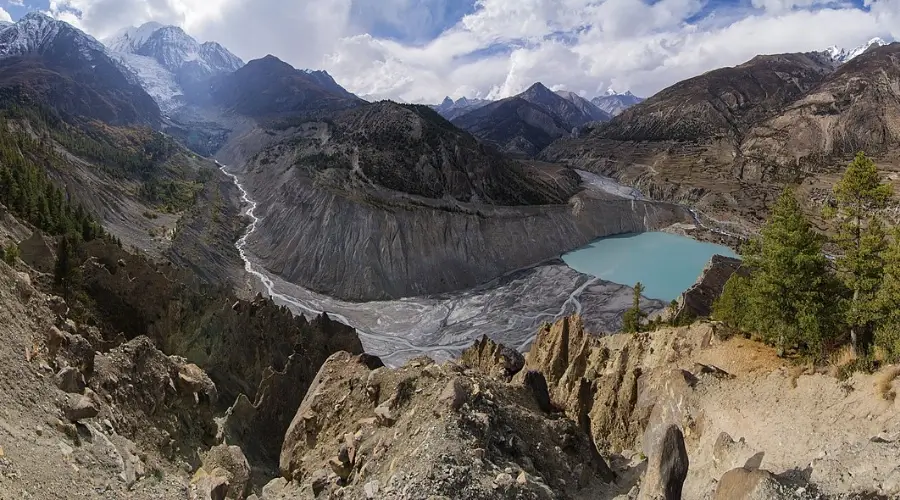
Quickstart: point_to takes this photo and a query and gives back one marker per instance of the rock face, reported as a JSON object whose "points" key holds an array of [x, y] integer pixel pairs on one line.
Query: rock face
{"points": [[431, 430], [697, 301]]}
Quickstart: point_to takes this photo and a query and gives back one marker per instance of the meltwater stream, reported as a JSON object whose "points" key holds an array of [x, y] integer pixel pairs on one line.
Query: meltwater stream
{"points": [[509, 309]]}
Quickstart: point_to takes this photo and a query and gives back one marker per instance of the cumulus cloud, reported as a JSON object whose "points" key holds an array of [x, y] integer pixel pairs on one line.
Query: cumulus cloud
{"points": [[423, 50], [4, 16]]}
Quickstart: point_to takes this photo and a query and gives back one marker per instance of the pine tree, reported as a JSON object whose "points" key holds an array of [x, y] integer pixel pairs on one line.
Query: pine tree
{"points": [[632, 320], [66, 272], [861, 196], [790, 297], [887, 333]]}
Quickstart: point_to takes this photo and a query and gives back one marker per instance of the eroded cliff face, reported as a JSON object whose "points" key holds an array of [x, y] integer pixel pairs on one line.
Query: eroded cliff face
{"points": [[369, 248]]}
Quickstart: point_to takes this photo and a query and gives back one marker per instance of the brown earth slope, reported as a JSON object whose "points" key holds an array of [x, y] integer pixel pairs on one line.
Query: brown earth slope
{"points": [[728, 140]]}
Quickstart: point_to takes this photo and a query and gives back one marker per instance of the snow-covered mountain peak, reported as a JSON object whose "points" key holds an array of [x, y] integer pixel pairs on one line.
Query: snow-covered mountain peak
{"points": [[172, 47], [613, 92], [35, 33], [131, 38], [170, 64], [841, 55]]}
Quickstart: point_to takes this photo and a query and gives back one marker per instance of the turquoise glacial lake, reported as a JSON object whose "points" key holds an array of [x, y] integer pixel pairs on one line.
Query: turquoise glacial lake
{"points": [[666, 264]]}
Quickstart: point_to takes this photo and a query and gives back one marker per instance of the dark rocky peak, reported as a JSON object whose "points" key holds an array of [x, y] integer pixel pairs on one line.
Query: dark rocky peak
{"points": [[412, 149], [272, 87], [571, 114], [538, 94]]}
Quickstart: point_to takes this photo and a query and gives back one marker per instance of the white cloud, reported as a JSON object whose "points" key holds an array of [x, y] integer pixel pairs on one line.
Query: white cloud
{"points": [[501, 46], [4, 16]]}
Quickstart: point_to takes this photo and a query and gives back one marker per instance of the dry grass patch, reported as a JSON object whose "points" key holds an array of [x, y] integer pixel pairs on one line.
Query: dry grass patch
{"points": [[884, 382], [840, 360]]}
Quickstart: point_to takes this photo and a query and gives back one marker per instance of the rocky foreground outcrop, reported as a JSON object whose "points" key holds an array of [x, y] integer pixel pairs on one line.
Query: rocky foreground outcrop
{"points": [[429, 430], [737, 404]]}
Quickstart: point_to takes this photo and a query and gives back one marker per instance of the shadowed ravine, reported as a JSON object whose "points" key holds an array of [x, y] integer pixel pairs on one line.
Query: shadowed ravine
{"points": [[507, 309]]}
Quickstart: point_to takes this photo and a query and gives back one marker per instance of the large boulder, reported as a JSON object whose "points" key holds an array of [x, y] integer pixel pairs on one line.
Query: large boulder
{"points": [[226, 463], [493, 359], [667, 468], [38, 251], [752, 484]]}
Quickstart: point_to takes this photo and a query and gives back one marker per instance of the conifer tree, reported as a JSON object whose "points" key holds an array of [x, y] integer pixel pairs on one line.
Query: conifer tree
{"points": [[789, 298], [66, 272], [632, 320], [860, 197], [887, 333]]}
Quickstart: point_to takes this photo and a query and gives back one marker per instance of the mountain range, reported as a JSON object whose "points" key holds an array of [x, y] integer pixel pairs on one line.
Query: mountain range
{"points": [[526, 123], [722, 140]]}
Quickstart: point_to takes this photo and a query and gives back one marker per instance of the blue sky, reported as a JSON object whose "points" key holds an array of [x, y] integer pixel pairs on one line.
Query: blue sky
{"points": [[422, 50]]}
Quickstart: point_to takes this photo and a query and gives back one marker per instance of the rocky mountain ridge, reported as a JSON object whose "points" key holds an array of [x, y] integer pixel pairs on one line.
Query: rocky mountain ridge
{"points": [[66, 69], [451, 109], [269, 87], [614, 103], [526, 123], [841, 55], [689, 142]]}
